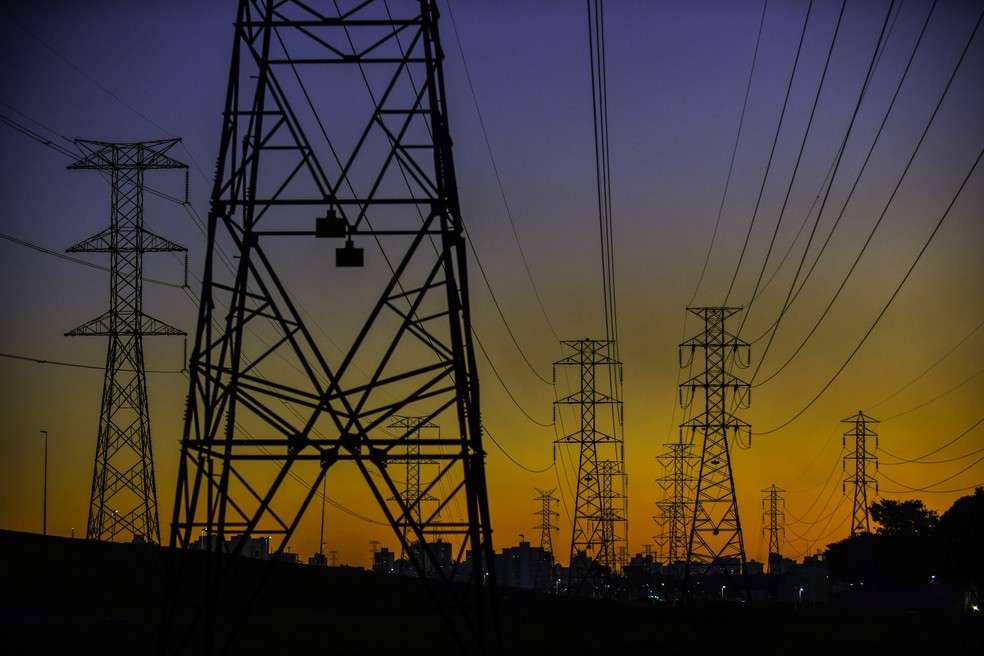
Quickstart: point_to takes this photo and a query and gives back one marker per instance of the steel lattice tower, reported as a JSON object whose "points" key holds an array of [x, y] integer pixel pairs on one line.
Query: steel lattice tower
{"points": [[124, 491], [599, 522], [715, 542], [614, 509], [546, 515], [773, 526], [677, 484], [412, 498], [864, 461], [336, 149]]}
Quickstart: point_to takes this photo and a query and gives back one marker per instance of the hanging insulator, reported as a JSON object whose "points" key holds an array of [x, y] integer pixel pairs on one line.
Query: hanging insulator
{"points": [[186, 187]]}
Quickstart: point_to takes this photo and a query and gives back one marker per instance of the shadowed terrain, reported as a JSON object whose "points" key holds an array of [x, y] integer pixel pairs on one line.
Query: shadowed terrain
{"points": [[82, 597]]}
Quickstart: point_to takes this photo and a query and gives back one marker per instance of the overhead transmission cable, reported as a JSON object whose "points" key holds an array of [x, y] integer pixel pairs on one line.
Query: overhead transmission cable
{"points": [[930, 368], [794, 291], [799, 159], [929, 488], [934, 451], [734, 152], [603, 178], [498, 178], [772, 152], [887, 304], [935, 398]]}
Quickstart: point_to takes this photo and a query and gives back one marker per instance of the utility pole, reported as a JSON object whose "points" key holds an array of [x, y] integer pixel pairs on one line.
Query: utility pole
{"points": [[123, 474], [715, 543], [44, 493], [865, 464], [599, 513], [335, 212], [546, 514], [773, 526]]}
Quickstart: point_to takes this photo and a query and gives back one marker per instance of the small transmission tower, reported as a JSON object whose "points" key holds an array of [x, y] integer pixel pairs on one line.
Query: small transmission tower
{"points": [[599, 517], [677, 484], [865, 463], [412, 498], [715, 543], [546, 514], [345, 302], [124, 491], [773, 526]]}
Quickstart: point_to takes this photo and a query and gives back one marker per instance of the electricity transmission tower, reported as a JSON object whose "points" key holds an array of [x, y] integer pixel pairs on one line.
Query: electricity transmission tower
{"points": [[599, 510], [773, 525], [124, 491], [546, 515], [864, 462], [336, 150], [715, 543], [412, 498], [677, 485]]}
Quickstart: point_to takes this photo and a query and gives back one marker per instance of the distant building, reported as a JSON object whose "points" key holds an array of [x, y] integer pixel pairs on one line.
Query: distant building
{"points": [[251, 547], [524, 567], [384, 561]]}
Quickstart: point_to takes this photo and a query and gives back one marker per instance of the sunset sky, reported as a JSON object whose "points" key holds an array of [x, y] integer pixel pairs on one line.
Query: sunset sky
{"points": [[677, 78]]}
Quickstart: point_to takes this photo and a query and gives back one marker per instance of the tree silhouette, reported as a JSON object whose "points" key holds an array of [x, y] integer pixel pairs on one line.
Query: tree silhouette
{"points": [[959, 536], [908, 519]]}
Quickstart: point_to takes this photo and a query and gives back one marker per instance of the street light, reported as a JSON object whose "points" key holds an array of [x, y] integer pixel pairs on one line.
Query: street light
{"points": [[44, 496]]}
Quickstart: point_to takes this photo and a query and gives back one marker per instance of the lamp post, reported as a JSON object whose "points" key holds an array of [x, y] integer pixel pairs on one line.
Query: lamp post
{"points": [[44, 495]]}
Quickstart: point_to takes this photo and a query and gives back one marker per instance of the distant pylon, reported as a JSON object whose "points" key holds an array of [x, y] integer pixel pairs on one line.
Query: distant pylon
{"points": [[546, 526], [614, 509], [773, 525], [593, 554], [864, 460], [599, 522], [677, 484], [124, 490], [715, 542], [411, 495]]}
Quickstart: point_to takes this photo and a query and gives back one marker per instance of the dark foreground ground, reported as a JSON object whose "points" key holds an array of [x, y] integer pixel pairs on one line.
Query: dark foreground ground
{"points": [[76, 597]]}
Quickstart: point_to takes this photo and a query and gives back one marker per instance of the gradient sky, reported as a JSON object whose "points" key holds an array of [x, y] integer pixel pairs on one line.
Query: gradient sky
{"points": [[677, 75]]}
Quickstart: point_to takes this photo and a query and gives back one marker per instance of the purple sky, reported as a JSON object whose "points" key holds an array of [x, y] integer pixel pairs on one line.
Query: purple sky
{"points": [[677, 75]]}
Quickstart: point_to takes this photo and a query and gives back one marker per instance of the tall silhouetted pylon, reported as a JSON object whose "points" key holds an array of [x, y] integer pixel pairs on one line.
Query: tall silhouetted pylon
{"points": [[599, 525], [124, 490], [715, 544], [773, 526], [861, 474], [335, 293]]}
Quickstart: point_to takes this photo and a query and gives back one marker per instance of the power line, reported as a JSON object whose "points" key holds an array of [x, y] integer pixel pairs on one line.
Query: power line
{"points": [[498, 179], [790, 296], [928, 488], [892, 298], [937, 450], [734, 152], [81, 366], [502, 382], [931, 367], [772, 152], [514, 461], [799, 159], [936, 398], [76, 260]]}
